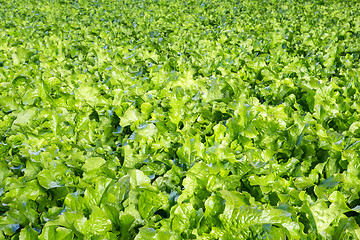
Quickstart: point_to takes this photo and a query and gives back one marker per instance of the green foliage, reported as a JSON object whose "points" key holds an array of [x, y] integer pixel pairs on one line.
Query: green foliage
{"points": [[179, 119]]}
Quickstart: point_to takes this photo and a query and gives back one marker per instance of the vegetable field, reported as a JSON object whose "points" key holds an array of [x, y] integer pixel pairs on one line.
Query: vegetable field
{"points": [[171, 119]]}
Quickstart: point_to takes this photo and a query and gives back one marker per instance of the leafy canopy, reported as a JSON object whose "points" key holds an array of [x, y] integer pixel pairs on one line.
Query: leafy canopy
{"points": [[169, 119]]}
